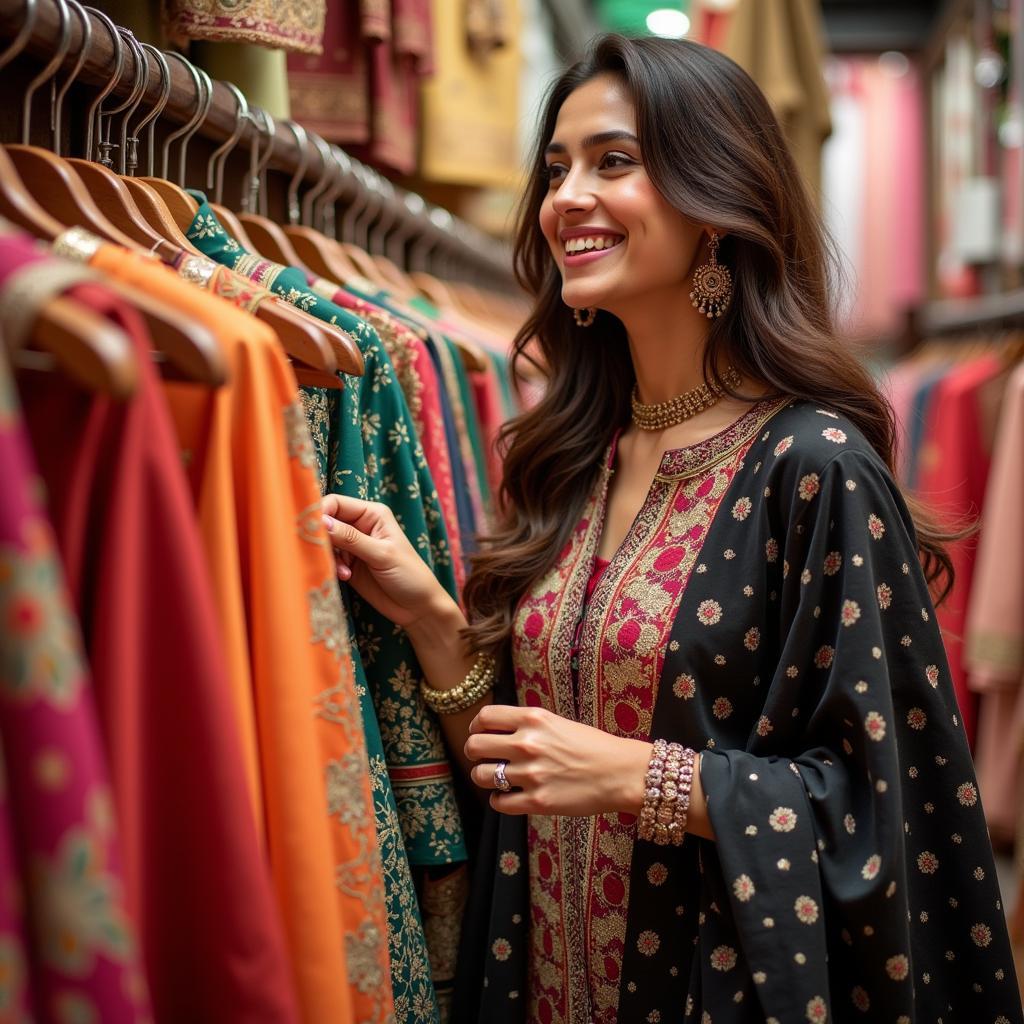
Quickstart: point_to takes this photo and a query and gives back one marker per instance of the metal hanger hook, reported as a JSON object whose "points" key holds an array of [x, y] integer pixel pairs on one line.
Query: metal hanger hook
{"points": [[63, 45], [21, 39], [215, 169], [327, 173], [293, 186], [264, 125], [130, 105], [157, 109], [193, 72], [92, 116], [57, 101]]}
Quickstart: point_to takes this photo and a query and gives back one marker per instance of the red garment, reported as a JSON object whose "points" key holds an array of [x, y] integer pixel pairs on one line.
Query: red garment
{"points": [[213, 944], [953, 469], [363, 90], [67, 943], [487, 399]]}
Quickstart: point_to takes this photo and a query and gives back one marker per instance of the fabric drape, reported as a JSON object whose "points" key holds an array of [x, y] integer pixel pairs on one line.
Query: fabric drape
{"points": [[67, 941], [213, 948], [801, 645]]}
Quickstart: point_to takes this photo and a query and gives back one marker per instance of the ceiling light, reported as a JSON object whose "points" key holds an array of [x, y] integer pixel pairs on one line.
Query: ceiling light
{"points": [[894, 63], [668, 23]]}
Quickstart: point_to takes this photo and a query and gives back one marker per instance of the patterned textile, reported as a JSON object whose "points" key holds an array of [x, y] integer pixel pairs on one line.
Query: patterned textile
{"points": [[67, 945], [222, 428], [767, 608], [367, 447], [422, 389], [296, 26], [363, 89], [213, 948]]}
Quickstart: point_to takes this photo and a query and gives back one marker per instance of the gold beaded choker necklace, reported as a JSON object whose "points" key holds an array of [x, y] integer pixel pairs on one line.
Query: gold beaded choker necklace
{"points": [[662, 415]]}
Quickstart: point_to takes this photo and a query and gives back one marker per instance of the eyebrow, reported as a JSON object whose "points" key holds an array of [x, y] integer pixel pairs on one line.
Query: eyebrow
{"points": [[616, 135]]}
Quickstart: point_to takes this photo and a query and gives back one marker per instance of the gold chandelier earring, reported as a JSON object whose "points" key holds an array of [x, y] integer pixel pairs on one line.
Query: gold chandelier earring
{"points": [[712, 284], [584, 317]]}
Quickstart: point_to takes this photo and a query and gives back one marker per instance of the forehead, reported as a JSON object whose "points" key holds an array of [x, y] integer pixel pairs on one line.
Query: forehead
{"points": [[601, 104]]}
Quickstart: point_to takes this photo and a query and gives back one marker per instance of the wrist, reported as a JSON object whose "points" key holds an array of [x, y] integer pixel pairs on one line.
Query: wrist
{"points": [[629, 778], [438, 625]]}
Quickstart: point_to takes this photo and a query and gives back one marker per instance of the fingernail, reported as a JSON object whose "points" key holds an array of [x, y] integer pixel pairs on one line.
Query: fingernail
{"points": [[329, 521]]}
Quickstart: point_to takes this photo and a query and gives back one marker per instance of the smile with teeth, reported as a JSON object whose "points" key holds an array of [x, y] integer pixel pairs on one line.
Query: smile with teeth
{"points": [[591, 242]]}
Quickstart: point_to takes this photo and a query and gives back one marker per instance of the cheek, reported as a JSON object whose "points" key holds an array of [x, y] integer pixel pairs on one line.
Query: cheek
{"points": [[548, 220]]}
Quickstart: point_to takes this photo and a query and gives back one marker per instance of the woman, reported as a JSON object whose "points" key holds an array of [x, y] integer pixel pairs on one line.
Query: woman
{"points": [[716, 557]]}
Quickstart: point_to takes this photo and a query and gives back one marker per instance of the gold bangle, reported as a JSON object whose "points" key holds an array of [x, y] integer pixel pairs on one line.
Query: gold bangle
{"points": [[479, 681]]}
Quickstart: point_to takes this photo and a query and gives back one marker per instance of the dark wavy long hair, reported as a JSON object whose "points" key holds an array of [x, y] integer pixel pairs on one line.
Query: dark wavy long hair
{"points": [[713, 148]]}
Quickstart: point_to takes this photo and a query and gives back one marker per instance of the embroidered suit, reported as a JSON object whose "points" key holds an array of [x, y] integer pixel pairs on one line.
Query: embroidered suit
{"points": [[768, 609]]}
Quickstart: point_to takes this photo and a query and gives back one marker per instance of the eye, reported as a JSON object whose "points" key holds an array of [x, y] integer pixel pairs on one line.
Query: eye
{"points": [[554, 172], [615, 161]]}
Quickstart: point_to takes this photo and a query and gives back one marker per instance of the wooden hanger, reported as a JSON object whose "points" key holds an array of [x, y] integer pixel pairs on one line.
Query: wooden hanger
{"points": [[118, 204], [234, 227], [189, 346], [180, 205], [92, 351], [398, 280], [322, 255], [267, 237], [65, 196], [152, 206], [364, 263]]}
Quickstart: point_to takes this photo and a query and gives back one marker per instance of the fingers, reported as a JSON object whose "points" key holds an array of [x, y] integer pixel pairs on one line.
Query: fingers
{"points": [[515, 803], [490, 746], [349, 540], [363, 514], [484, 775], [505, 718]]}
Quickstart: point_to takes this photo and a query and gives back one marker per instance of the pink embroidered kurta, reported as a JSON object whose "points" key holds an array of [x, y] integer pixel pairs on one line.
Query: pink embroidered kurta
{"points": [[580, 867]]}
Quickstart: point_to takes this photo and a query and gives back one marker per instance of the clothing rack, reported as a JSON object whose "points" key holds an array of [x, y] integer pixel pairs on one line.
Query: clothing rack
{"points": [[984, 311], [434, 237]]}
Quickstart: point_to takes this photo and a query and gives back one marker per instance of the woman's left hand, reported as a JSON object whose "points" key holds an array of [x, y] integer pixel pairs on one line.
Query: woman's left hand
{"points": [[555, 766]]}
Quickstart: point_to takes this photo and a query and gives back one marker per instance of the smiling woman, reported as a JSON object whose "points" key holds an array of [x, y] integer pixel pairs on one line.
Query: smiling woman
{"points": [[727, 766]]}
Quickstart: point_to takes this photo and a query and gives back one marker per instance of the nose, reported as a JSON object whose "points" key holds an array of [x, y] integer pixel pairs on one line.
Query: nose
{"points": [[574, 195]]}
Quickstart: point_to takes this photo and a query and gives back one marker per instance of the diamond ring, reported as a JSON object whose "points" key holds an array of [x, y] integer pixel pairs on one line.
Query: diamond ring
{"points": [[500, 782]]}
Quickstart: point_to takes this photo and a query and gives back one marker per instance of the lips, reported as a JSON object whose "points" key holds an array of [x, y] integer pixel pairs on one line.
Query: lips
{"points": [[578, 259]]}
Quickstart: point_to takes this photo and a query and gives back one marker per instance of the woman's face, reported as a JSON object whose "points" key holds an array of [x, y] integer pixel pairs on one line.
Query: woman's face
{"points": [[614, 237]]}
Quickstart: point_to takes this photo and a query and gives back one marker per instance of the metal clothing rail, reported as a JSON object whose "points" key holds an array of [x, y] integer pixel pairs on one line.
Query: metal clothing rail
{"points": [[1005, 309], [38, 29]]}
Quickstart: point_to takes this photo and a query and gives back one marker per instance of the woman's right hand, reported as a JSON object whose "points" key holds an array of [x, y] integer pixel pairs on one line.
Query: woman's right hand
{"points": [[375, 556]]}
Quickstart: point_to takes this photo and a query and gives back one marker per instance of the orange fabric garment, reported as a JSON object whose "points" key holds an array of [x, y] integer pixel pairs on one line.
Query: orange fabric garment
{"points": [[258, 506], [343, 760]]}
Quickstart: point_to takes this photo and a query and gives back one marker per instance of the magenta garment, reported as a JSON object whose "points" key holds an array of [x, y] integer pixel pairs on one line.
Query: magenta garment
{"points": [[196, 882], [58, 837]]}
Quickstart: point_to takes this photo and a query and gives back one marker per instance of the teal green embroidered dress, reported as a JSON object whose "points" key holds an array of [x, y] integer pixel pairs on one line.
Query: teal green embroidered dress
{"points": [[367, 448]]}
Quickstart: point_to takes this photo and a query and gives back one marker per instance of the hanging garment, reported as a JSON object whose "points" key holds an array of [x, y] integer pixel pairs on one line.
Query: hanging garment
{"points": [[469, 103], [994, 630], [953, 483], [329, 92], [781, 44], [296, 26], [490, 415], [766, 608], [372, 452], [422, 389], [119, 504], [67, 943], [242, 443]]}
